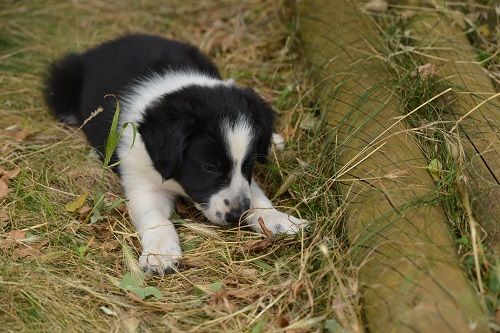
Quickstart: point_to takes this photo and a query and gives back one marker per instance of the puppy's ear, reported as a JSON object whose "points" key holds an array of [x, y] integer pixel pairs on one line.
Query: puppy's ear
{"points": [[263, 117], [165, 135]]}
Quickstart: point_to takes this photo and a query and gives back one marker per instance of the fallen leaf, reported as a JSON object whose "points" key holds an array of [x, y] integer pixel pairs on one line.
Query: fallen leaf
{"points": [[289, 181], [11, 238], [249, 272], [243, 294], [130, 283], [131, 324], [216, 286], [84, 211], [295, 288], [220, 300], [4, 217], [283, 321], [484, 31], [458, 17], [310, 121], [264, 229], [257, 246], [28, 250], [20, 135], [435, 168], [110, 246], [181, 208], [108, 311], [4, 188], [407, 14], [377, 6], [11, 174], [77, 203], [425, 71]]}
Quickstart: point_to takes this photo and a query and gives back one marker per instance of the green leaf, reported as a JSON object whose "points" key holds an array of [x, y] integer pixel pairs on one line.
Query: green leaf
{"points": [[132, 283], [96, 217], [77, 203], [129, 280], [259, 326], [95, 214], [113, 137], [113, 205], [216, 286], [332, 326], [263, 265], [199, 291], [435, 168], [494, 280]]}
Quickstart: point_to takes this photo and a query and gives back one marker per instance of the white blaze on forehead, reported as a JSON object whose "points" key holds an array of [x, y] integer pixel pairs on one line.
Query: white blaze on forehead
{"points": [[238, 137]]}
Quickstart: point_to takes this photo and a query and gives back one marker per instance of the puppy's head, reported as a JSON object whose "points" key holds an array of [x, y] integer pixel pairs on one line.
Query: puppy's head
{"points": [[208, 139]]}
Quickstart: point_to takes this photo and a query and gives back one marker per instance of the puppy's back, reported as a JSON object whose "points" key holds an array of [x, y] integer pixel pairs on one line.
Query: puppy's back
{"points": [[77, 84]]}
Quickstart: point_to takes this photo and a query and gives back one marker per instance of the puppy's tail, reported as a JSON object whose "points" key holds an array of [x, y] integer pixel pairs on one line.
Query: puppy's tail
{"points": [[63, 88]]}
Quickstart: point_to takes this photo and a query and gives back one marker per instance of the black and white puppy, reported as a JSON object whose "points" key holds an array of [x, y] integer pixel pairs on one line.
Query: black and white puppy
{"points": [[198, 136]]}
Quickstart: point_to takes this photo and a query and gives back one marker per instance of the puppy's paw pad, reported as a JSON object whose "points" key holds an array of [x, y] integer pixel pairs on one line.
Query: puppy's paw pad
{"points": [[160, 261], [278, 222]]}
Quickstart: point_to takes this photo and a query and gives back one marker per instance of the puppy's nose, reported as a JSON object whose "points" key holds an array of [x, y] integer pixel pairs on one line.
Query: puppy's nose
{"points": [[235, 213]]}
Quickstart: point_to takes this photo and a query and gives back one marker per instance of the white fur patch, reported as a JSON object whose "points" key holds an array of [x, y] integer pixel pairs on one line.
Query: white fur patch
{"points": [[238, 138]]}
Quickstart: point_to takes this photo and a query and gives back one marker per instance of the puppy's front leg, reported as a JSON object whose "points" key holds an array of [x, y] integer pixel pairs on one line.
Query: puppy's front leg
{"points": [[274, 220], [151, 208]]}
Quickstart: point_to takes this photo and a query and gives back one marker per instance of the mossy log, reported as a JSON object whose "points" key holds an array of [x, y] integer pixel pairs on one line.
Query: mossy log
{"points": [[447, 46], [409, 273]]}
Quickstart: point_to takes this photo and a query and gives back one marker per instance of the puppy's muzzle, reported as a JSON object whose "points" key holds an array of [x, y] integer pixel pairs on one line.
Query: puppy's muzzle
{"points": [[237, 208]]}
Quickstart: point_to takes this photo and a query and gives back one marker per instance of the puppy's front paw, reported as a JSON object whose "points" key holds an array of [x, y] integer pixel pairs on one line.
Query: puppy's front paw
{"points": [[160, 255], [276, 221]]}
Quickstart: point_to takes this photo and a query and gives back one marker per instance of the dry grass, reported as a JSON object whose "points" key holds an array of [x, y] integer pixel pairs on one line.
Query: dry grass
{"points": [[60, 273]]}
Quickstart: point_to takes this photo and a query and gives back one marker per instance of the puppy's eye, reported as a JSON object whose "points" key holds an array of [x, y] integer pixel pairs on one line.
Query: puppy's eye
{"points": [[210, 168], [247, 167]]}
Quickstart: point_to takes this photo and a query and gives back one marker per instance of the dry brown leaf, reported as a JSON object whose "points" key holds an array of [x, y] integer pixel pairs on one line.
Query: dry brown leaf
{"points": [[425, 71], [102, 230], [20, 135], [4, 216], [219, 299], [377, 6], [4, 187], [28, 250], [283, 321], [84, 212], [11, 174], [110, 246], [295, 288], [131, 324], [256, 246], [243, 294], [264, 229], [249, 272], [181, 208], [122, 208], [407, 14], [12, 238]]}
